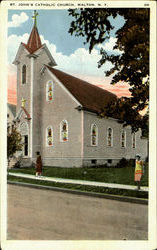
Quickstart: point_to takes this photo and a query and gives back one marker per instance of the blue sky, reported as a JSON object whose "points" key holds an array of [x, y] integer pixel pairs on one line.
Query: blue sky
{"points": [[54, 26]]}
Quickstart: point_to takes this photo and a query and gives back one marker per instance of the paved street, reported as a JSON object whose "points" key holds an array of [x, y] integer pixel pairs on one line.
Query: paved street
{"points": [[35, 214]]}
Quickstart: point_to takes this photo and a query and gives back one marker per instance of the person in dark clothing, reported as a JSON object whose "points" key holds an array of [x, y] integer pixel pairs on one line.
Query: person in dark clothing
{"points": [[38, 165]]}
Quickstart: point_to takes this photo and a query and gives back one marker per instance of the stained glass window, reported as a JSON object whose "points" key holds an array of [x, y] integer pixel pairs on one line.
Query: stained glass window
{"points": [[49, 136], [24, 74], [49, 91], [133, 140], [109, 137], [94, 135], [64, 131], [123, 139]]}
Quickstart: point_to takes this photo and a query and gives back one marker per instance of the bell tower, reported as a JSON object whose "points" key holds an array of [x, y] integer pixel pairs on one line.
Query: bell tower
{"points": [[27, 88], [30, 60]]}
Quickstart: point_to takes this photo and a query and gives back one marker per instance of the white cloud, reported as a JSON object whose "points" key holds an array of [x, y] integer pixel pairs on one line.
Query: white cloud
{"points": [[13, 45], [108, 46], [80, 62], [17, 20], [52, 47]]}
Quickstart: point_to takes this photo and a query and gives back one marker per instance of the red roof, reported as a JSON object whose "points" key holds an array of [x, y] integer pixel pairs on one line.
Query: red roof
{"points": [[34, 42], [20, 112], [27, 114], [91, 97]]}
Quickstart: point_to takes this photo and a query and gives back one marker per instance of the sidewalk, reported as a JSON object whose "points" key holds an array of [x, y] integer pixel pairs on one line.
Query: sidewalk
{"points": [[81, 182]]}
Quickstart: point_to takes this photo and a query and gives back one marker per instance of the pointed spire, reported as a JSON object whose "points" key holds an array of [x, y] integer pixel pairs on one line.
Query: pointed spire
{"points": [[34, 41]]}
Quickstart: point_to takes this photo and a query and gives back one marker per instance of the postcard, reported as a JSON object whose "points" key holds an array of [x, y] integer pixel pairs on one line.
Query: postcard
{"points": [[78, 125]]}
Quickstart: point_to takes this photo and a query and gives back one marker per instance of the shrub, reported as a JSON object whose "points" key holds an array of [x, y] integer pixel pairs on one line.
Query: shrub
{"points": [[18, 163], [32, 165], [131, 163], [122, 163]]}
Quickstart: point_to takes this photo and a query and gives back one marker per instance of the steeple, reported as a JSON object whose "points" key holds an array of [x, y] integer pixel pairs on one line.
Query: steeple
{"points": [[34, 42]]}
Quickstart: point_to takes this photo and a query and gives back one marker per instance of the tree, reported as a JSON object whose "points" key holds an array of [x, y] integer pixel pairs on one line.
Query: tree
{"points": [[131, 65], [13, 141], [122, 111]]}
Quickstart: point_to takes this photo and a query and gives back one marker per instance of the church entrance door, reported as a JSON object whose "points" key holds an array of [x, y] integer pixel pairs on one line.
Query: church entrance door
{"points": [[26, 145]]}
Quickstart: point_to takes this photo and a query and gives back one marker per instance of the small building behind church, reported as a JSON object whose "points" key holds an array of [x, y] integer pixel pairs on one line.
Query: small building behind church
{"points": [[11, 113], [58, 115]]}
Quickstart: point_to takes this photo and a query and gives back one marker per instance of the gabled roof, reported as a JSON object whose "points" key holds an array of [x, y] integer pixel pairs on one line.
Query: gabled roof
{"points": [[91, 97], [20, 49], [12, 107], [34, 42], [26, 113], [33, 46], [21, 111]]}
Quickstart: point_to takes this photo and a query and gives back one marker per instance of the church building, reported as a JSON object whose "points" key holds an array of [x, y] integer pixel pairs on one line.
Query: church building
{"points": [[58, 114]]}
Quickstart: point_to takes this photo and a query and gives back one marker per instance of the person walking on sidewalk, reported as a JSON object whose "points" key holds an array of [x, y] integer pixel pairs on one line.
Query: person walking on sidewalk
{"points": [[38, 165], [139, 170]]}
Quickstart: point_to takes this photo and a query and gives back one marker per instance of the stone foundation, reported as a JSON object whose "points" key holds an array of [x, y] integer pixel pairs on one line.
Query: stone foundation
{"points": [[71, 162], [98, 162], [78, 162]]}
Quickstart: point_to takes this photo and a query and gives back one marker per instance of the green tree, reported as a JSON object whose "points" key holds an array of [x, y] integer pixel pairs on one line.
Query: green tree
{"points": [[131, 65], [14, 143], [122, 111]]}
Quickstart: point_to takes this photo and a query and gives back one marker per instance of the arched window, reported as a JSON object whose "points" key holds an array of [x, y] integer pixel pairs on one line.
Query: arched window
{"points": [[133, 140], [94, 135], [49, 136], [109, 137], [123, 139], [24, 74], [64, 131], [49, 91], [24, 130]]}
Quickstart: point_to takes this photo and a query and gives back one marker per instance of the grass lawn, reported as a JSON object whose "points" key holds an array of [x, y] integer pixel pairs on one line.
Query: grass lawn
{"points": [[102, 174], [121, 192]]}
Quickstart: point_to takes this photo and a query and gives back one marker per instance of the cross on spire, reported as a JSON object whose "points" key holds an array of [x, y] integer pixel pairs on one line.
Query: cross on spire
{"points": [[35, 17]]}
